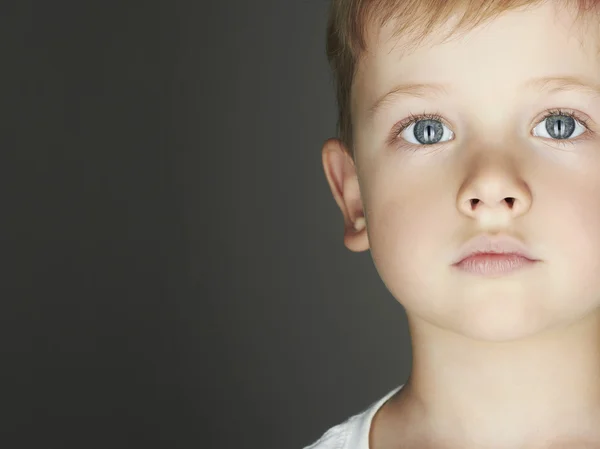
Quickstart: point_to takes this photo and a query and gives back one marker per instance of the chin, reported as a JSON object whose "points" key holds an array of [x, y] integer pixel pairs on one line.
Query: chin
{"points": [[514, 320], [491, 319], [503, 319]]}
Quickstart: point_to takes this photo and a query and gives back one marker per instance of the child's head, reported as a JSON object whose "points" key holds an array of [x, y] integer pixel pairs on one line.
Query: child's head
{"points": [[509, 144]]}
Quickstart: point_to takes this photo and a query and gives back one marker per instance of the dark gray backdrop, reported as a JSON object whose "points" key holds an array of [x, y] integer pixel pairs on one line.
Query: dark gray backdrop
{"points": [[175, 275]]}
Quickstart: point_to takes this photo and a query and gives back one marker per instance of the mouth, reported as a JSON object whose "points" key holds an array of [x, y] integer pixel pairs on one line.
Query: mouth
{"points": [[494, 264], [493, 255]]}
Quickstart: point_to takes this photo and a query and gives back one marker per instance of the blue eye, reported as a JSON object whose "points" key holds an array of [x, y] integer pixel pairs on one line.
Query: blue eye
{"points": [[559, 126], [426, 132]]}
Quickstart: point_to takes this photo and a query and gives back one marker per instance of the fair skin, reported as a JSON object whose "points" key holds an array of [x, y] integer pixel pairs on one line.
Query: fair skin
{"points": [[503, 363]]}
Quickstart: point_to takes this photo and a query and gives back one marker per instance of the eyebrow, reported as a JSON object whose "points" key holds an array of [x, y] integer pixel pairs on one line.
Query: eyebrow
{"points": [[548, 84]]}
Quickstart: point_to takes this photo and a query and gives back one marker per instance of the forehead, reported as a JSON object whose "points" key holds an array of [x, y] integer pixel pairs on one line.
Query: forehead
{"points": [[500, 54]]}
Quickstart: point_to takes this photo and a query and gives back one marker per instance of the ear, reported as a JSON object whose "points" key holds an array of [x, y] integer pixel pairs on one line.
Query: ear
{"points": [[343, 181]]}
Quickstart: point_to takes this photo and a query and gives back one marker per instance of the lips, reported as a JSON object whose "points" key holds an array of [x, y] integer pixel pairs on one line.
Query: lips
{"points": [[493, 264], [493, 246], [493, 256]]}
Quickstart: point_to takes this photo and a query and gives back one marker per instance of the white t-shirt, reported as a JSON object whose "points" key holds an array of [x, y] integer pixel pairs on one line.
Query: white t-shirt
{"points": [[354, 432]]}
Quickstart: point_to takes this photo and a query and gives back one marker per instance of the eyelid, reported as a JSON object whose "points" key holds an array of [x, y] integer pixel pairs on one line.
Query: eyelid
{"points": [[584, 119]]}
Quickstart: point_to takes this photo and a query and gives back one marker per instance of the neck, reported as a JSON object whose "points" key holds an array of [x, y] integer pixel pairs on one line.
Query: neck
{"points": [[510, 394]]}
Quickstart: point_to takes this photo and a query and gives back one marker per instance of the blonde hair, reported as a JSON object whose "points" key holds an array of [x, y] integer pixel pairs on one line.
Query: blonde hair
{"points": [[414, 20]]}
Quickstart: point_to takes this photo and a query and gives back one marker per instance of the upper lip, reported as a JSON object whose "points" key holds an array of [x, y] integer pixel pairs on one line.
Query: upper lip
{"points": [[487, 244]]}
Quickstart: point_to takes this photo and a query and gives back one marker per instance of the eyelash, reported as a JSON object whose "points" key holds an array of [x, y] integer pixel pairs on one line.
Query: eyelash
{"points": [[412, 118]]}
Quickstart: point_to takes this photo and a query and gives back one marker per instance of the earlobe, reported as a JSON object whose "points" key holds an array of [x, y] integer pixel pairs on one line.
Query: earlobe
{"points": [[356, 238], [343, 180]]}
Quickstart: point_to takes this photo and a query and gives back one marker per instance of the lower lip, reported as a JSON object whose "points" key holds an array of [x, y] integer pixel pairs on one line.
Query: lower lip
{"points": [[493, 264]]}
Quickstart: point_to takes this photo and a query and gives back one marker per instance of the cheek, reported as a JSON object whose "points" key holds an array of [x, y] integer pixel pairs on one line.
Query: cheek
{"points": [[571, 240], [407, 239]]}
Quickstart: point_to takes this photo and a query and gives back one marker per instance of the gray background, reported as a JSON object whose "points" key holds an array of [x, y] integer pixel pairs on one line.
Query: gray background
{"points": [[175, 275]]}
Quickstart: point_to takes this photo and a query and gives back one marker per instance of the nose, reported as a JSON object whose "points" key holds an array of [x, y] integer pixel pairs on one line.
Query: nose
{"points": [[494, 200]]}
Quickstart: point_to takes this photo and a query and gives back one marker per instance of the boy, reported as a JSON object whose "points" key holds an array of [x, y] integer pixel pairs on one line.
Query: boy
{"points": [[468, 163]]}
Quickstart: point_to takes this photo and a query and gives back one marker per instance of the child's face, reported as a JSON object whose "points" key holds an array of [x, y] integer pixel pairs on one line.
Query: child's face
{"points": [[417, 197]]}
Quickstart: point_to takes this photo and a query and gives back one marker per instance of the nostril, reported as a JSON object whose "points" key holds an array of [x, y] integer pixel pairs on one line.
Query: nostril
{"points": [[509, 200]]}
